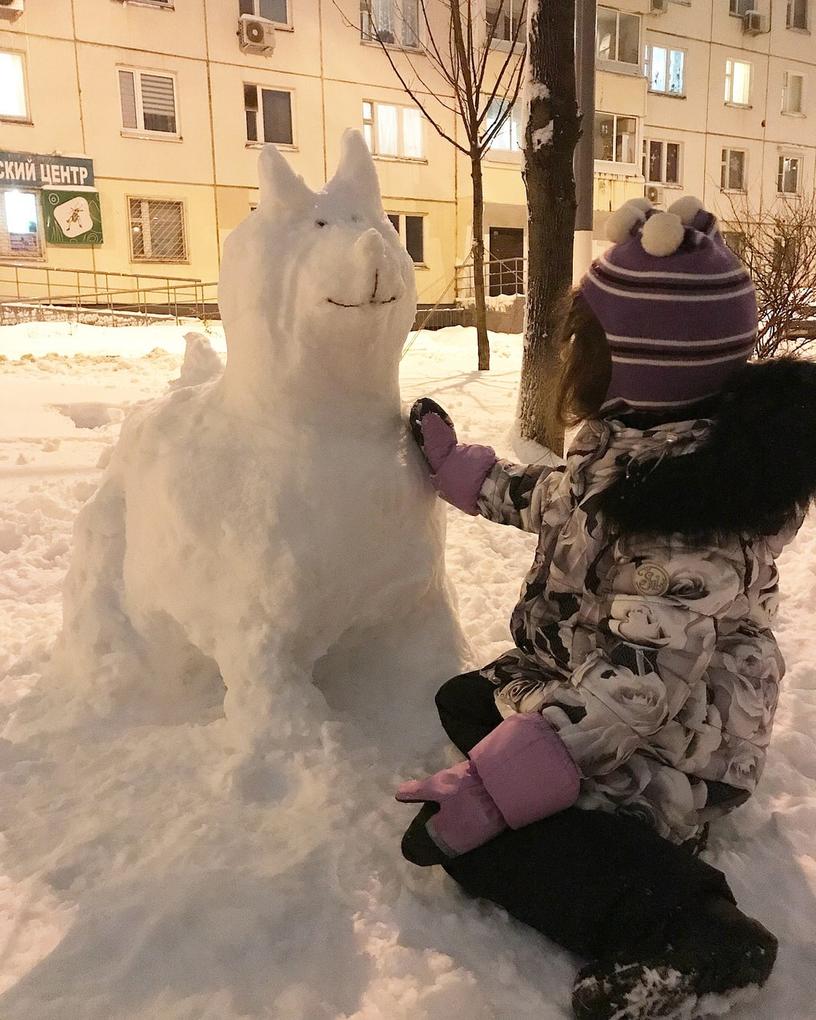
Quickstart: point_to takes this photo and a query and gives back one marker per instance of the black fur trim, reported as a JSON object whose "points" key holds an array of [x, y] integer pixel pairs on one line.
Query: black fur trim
{"points": [[758, 467]]}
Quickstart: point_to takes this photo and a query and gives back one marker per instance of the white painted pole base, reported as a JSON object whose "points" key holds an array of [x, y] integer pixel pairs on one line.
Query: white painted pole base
{"points": [[581, 254]]}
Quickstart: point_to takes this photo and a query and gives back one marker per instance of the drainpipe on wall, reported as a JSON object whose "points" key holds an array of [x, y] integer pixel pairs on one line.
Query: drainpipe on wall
{"points": [[584, 161]]}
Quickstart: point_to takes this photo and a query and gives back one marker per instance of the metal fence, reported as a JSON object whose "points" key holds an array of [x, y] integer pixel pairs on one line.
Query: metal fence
{"points": [[501, 276]]}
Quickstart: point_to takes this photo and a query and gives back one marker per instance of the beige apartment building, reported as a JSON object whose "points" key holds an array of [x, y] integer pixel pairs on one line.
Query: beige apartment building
{"points": [[130, 129]]}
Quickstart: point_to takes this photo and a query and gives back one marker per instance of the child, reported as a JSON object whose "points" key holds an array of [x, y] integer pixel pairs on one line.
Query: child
{"points": [[638, 700]]}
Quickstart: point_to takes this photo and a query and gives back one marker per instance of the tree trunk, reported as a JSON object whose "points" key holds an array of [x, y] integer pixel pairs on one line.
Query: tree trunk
{"points": [[551, 134], [482, 342]]}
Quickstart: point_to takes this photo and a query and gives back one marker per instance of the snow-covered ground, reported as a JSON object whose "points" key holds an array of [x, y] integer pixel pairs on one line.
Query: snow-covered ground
{"points": [[136, 883]]}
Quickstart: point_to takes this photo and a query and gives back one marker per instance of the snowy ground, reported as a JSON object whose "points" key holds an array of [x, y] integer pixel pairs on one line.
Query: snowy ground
{"points": [[133, 884]]}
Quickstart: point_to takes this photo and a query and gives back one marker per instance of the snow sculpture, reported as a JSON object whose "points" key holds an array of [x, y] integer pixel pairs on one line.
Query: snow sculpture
{"points": [[273, 529]]}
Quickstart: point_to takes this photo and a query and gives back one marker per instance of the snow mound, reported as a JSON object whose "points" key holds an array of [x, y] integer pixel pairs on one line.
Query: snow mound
{"points": [[201, 363]]}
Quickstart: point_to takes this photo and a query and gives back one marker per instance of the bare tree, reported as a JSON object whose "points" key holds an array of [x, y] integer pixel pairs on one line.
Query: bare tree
{"points": [[480, 84], [778, 245], [551, 134]]}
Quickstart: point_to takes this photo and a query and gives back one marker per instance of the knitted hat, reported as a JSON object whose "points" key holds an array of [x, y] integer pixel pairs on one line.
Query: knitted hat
{"points": [[677, 306]]}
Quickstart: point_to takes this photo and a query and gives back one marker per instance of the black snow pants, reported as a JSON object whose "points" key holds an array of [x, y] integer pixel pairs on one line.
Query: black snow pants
{"points": [[597, 883]]}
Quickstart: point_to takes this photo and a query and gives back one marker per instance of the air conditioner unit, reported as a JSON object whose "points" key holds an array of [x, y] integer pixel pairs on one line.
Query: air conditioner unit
{"points": [[256, 35], [660, 6], [654, 193], [754, 23], [11, 9]]}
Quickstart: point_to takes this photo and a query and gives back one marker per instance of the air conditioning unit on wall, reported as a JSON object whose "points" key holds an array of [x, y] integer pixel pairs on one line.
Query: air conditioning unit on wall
{"points": [[11, 9], [659, 6], [256, 35], [654, 193], [754, 23]]}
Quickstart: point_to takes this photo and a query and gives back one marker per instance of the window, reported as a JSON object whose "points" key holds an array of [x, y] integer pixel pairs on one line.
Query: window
{"points": [[732, 170], [665, 70], [787, 178], [615, 138], [737, 82], [19, 225], [508, 137], [393, 130], [411, 230], [661, 162], [148, 102], [505, 19], [268, 115], [793, 85], [157, 231], [741, 7], [617, 37], [735, 240], [797, 14], [12, 86], [273, 10], [394, 22]]}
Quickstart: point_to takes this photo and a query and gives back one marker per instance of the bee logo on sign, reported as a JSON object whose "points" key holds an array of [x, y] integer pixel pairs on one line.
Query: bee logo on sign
{"points": [[651, 579]]}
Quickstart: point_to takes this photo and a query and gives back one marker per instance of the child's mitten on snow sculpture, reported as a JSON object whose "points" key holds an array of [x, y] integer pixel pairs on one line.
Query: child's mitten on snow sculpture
{"points": [[519, 773], [458, 470]]}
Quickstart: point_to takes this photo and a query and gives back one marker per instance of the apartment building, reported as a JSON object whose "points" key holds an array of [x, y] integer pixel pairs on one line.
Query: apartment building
{"points": [[129, 129]]}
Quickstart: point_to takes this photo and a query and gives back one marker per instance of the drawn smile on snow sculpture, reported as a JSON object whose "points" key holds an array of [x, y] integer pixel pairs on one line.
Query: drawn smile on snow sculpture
{"points": [[272, 531]]}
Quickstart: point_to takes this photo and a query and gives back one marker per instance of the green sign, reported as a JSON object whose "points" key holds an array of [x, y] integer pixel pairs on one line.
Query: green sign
{"points": [[72, 217]]}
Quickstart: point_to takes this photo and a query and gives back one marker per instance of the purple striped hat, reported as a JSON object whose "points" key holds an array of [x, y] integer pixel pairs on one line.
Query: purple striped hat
{"points": [[677, 306]]}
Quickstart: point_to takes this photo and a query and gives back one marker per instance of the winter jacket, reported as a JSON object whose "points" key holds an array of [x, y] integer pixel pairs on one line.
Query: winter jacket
{"points": [[643, 631]]}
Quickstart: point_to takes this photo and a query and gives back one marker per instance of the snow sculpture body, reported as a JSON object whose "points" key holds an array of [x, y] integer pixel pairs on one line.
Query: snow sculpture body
{"points": [[275, 526]]}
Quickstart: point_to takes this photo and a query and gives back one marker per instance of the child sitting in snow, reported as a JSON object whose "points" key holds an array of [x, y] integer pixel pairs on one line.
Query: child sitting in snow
{"points": [[638, 700]]}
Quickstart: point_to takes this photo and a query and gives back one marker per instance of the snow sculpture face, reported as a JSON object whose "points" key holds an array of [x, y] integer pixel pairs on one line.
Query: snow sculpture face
{"points": [[316, 283]]}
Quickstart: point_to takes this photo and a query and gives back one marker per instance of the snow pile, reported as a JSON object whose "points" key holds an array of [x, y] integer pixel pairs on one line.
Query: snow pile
{"points": [[201, 362]]}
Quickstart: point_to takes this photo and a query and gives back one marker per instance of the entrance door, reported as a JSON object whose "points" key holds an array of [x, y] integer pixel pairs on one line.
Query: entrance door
{"points": [[506, 273]]}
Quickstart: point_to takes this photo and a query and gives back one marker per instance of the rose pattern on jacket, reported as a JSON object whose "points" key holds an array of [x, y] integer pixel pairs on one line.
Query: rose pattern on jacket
{"points": [[661, 696]]}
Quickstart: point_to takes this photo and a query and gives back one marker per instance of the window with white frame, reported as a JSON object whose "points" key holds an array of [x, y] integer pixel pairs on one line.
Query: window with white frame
{"points": [[13, 102], [508, 137], [393, 130], [665, 70], [617, 37], [20, 234], [737, 82], [661, 162], [393, 22], [148, 102], [268, 115], [740, 8], [272, 10], [411, 230], [505, 20], [732, 170], [793, 87], [157, 230], [787, 177], [615, 139], [797, 16]]}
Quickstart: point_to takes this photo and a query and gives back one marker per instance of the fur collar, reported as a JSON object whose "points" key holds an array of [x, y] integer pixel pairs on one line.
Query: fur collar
{"points": [[756, 468]]}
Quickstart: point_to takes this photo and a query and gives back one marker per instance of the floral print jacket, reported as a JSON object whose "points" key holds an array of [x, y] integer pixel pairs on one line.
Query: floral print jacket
{"points": [[653, 656]]}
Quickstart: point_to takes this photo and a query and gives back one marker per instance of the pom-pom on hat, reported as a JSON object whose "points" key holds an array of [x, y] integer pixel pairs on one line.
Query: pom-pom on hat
{"points": [[677, 306]]}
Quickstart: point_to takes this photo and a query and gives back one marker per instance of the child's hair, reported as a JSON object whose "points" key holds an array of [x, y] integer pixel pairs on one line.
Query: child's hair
{"points": [[586, 365]]}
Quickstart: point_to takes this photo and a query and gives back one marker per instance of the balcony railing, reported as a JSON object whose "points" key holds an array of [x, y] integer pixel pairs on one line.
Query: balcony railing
{"points": [[501, 276]]}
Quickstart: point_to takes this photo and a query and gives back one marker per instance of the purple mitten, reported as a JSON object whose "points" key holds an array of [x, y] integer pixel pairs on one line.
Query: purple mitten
{"points": [[458, 470]]}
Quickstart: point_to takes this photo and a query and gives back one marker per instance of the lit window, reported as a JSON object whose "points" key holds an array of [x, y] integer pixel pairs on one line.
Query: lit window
{"points": [[19, 225], [737, 82], [661, 162], [797, 14], [148, 102], [272, 10], [411, 230], [505, 19], [157, 231], [666, 70], [732, 170], [390, 22], [12, 86], [792, 89], [268, 115], [615, 138], [741, 7], [393, 130], [617, 37], [787, 178], [508, 136]]}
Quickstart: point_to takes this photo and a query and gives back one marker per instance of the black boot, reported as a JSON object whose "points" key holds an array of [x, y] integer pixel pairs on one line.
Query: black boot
{"points": [[714, 950], [417, 845]]}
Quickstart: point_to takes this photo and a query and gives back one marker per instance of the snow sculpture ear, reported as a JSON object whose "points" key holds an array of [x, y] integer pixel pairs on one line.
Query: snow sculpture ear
{"points": [[355, 183], [280, 185]]}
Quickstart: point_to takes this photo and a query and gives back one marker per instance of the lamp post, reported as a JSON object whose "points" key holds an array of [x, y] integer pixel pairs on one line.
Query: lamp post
{"points": [[584, 161]]}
